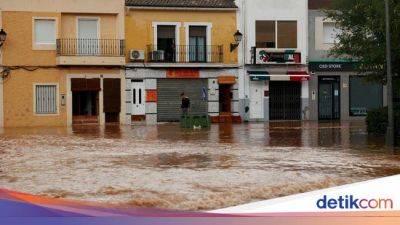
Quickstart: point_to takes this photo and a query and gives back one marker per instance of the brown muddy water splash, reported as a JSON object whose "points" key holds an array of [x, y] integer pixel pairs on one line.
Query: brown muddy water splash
{"points": [[167, 167]]}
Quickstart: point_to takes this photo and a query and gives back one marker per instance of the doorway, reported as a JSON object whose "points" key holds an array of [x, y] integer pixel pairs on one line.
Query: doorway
{"points": [[329, 98], [225, 99], [166, 43], [85, 100], [285, 100], [88, 36], [112, 99], [256, 100], [197, 43], [85, 104], [138, 98]]}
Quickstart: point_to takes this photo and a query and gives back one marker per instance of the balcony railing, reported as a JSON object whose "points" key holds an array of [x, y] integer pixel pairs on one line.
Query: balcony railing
{"points": [[185, 54], [90, 47]]}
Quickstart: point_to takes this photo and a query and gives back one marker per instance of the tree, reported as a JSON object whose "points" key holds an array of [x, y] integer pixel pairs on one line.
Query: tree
{"points": [[363, 35]]}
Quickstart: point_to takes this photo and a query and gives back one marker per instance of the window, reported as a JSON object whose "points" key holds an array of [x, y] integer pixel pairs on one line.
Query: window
{"points": [[197, 43], [360, 100], [331, 33], [276, 34], [166, 42], [46, 99], [45, 31], [287, 34], [265, 34]]}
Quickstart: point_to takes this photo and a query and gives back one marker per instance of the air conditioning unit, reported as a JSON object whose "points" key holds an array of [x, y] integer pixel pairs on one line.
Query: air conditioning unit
{"points": [[136, 55], [157, 55]]}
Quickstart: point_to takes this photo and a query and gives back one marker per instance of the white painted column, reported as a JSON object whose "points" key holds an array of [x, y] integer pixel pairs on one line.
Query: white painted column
{"points": [[305, 104], [69, 101], [122, 113], [102, 114]]}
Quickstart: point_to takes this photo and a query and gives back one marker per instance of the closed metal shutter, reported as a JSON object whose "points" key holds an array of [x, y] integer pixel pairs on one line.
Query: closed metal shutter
{"points": [[46, 99], [285, 100], [169, 99]]}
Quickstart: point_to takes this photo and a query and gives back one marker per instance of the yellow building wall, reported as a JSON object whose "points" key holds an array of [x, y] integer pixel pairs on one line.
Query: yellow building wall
{"points": [[19, 55], [19, 94], [18, 49], [139, 29], [108, 25], [19, 98]]}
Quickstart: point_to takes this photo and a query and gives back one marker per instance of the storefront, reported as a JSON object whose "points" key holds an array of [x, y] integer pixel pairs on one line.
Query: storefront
{"points": [[340, 93], [278, 95], [154, 94], [95, 97]]}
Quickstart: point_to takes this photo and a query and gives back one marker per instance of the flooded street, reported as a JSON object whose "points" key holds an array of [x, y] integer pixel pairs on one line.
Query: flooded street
{"points": [[167, 167]]}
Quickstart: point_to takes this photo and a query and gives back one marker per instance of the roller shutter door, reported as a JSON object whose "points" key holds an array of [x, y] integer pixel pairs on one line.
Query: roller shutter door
{"points": [[169, 99], [285, 100]]}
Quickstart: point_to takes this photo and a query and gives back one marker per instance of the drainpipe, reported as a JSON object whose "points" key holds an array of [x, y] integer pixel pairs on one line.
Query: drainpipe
{"points": [[390, 128]]}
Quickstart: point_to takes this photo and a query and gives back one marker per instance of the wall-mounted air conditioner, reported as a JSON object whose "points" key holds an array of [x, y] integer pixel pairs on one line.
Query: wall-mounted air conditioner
{"points": [[157, 56], [136, 55]]}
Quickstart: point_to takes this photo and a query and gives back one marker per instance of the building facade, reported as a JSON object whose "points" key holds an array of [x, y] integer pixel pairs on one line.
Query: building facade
{"points": [[62, 62], [274, 74], [176, 47], [337, 91]]}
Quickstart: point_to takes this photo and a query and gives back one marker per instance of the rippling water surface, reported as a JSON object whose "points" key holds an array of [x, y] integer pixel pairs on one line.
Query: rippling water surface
{"points": [[165, 166]]}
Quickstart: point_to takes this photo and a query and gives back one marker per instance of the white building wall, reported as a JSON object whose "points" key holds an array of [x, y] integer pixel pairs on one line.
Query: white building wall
{"points": [[252, 10]]}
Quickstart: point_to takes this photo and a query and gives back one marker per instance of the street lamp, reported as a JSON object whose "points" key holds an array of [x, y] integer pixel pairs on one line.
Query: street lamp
{"points": [[3, 37], [238, 38], [390, 128]]}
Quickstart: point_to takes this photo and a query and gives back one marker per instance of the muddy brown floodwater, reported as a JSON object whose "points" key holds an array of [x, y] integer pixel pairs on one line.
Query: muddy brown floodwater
{"points": [[166, 167]]}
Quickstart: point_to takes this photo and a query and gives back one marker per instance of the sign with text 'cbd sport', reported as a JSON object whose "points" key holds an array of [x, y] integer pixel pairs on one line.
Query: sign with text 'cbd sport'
{"points": [[331, 66]]}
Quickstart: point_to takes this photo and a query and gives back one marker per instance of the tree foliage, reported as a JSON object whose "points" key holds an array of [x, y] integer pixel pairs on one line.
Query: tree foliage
{"points": [[363, 36]]}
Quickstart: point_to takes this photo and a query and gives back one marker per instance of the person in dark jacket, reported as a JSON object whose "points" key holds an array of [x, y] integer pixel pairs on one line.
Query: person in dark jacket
{"points": [[185, 106]]}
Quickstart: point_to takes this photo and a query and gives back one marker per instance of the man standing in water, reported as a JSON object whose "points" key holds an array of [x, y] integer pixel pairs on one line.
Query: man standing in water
{"points": [[185, 104]]}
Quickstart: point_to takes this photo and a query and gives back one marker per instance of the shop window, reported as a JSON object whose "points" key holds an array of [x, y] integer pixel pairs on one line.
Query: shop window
{"points": [[331, 33], [46, 99], [265, 34], [276, 34], [360, 100], [287, 34], [45, 31]]}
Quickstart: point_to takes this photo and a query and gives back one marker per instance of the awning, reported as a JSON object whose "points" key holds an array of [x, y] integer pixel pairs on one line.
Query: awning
{"points": [[298, 75], [259, 75], [226, 80], [290, 76]]}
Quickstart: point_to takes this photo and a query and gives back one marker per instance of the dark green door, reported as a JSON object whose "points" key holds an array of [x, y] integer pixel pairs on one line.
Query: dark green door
{"points": [[329, 98]]}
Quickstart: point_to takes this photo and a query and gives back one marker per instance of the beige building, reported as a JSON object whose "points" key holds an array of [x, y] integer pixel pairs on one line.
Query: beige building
{"points": [[62, 62]]}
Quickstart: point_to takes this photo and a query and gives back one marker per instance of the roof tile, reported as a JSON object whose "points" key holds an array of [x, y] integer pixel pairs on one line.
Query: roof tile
{"points": [[183, 3]]}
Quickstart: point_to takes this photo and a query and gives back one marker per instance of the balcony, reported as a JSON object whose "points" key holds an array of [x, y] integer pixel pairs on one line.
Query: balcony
{"points": [[185, 54], [103, 52]]}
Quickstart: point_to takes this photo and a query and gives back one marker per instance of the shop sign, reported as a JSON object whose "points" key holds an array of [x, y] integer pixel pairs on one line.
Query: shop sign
{"points": [[331, 66], [265, 56], [183, 73]]}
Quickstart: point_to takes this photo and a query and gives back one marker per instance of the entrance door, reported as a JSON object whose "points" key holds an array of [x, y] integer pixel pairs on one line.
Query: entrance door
{"points": [[285, 100], [166, 43], [112, 99], [197, 43], [225, 99], [329, 98], [138, 98], [256, 100], [88, 36]]}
